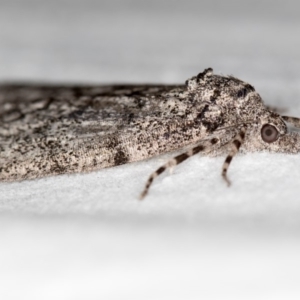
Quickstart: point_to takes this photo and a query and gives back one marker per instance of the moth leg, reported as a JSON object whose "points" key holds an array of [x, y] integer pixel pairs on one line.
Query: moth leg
{"points": [[292, 120], [236, 144], [175, 161]]}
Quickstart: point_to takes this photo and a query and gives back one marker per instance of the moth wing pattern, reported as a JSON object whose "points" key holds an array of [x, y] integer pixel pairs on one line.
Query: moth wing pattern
{"points": [[48, 130]]}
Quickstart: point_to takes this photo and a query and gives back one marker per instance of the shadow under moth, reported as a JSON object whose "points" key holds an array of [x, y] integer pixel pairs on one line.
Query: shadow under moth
{"points": [[48, 130]]}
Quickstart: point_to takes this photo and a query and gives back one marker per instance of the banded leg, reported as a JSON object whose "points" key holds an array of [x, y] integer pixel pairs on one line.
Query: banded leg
{"points": [[175, 161], [292, 120], [236, 144]]}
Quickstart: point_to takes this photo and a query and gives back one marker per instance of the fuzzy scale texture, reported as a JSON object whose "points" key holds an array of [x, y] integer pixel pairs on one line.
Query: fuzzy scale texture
{"points": [[85, 236], [54, 130]]}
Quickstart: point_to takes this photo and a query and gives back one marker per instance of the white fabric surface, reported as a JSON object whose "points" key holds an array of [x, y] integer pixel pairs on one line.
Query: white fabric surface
{"points": [[86, 236]]}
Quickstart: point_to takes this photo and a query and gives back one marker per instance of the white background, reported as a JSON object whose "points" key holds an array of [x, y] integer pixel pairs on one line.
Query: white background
{"points": [[86, 236]]}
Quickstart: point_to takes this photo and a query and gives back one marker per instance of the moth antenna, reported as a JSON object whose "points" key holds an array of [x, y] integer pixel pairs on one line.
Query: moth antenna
{"points": [[292, 120], [175, 161], [236, 144]]}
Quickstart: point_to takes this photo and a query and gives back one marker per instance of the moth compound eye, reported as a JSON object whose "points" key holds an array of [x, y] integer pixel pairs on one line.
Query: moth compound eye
{"points": [[269, 133]]}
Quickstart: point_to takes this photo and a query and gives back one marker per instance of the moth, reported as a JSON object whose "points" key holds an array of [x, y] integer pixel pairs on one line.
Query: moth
{"points": [[48, 130]]}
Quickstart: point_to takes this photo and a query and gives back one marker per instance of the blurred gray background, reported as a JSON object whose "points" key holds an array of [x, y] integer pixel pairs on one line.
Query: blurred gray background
{"points": [[86, 236]]}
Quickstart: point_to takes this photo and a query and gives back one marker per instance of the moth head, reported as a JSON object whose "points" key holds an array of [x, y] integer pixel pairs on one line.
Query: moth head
{"points": [[270, 133]]}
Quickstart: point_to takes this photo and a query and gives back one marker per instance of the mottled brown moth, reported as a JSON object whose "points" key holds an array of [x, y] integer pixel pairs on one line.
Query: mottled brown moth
{"points": [[47, 130]]}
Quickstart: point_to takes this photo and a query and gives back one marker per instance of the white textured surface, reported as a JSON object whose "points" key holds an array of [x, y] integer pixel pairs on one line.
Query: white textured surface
{"points": [[86, 236]]}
